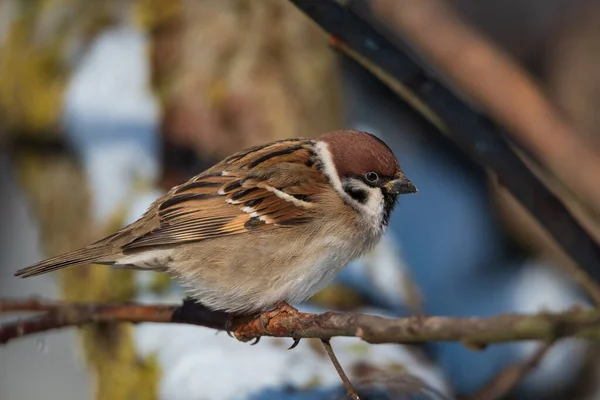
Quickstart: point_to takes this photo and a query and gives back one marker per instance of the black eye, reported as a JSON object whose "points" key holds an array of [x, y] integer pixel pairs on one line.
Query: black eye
{"points": [[371, 177]]}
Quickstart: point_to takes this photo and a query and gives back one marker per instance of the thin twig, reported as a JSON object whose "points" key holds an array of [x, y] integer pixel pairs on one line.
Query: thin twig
{"points": [[584, 324], [508, 379], [350, 391]]}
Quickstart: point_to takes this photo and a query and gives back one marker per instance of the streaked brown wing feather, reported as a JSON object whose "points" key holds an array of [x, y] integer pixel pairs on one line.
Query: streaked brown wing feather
{"points": [[247, 191]]}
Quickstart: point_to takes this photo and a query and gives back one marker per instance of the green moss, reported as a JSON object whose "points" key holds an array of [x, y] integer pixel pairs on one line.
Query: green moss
{"points": [[32, 80], [34, 64], [152, 14]]}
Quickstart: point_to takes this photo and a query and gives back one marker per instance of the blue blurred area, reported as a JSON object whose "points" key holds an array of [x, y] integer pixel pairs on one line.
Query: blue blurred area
{"points": [[295, 394], [340, 393], [448, 232]]}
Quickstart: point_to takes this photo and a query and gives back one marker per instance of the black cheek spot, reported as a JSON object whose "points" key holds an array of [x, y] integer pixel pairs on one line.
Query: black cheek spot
{"points": [[359, 195]]}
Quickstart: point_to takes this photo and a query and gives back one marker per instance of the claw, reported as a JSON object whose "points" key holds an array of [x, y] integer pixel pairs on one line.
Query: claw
{"points": [[256, 340], [228, 326], [296, 341], [263, 320]]}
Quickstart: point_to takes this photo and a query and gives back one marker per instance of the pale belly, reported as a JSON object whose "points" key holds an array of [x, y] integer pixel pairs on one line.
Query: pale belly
{"points": [[239, 279], [316, 272]]}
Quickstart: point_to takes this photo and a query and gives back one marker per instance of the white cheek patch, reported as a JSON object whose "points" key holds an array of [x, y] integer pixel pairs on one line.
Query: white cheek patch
{"points": [[372, 209], [376, 201]]}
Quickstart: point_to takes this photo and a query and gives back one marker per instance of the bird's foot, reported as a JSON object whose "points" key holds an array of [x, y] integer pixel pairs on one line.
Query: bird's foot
{"points": [[248, 331], [282, 308]]}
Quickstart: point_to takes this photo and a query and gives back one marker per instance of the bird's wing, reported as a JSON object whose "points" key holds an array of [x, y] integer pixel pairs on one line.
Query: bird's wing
{"points": [[267, 187]]}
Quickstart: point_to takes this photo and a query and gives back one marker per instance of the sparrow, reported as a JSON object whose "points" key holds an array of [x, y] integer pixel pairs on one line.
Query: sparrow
{"points": [[268, 225]]}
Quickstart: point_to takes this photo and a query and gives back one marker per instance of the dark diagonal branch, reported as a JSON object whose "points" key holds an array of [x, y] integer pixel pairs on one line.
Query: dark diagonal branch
{"points": [[511, 98], [477, 134], [583, 324], [510, 377]]}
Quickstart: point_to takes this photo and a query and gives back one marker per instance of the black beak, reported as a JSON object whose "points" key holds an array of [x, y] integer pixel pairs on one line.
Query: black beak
{"points": [[400, 186]]}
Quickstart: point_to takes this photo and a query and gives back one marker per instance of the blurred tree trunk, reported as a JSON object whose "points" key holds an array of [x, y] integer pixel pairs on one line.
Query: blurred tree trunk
{"points": [[236, 73], [573, 70]]}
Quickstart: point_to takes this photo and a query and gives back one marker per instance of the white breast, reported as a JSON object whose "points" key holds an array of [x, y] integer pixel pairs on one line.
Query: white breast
{"points": [[331, 254]]}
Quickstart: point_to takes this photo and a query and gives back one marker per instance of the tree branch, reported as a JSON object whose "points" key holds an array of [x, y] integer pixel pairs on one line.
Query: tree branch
{"points": [[476, 332]]}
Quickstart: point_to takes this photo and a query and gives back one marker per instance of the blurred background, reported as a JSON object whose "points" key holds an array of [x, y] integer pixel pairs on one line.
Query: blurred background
{"points": [[105, 105]]}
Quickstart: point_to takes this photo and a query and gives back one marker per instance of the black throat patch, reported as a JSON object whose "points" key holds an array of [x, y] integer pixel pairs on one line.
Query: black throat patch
{"points": [[389, 203]]}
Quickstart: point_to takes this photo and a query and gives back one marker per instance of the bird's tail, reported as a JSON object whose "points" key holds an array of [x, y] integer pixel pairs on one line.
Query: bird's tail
{"points": [[87, 255]]}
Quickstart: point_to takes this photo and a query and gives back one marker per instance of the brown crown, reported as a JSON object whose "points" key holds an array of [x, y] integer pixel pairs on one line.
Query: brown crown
{"points": [[356, 153]]}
